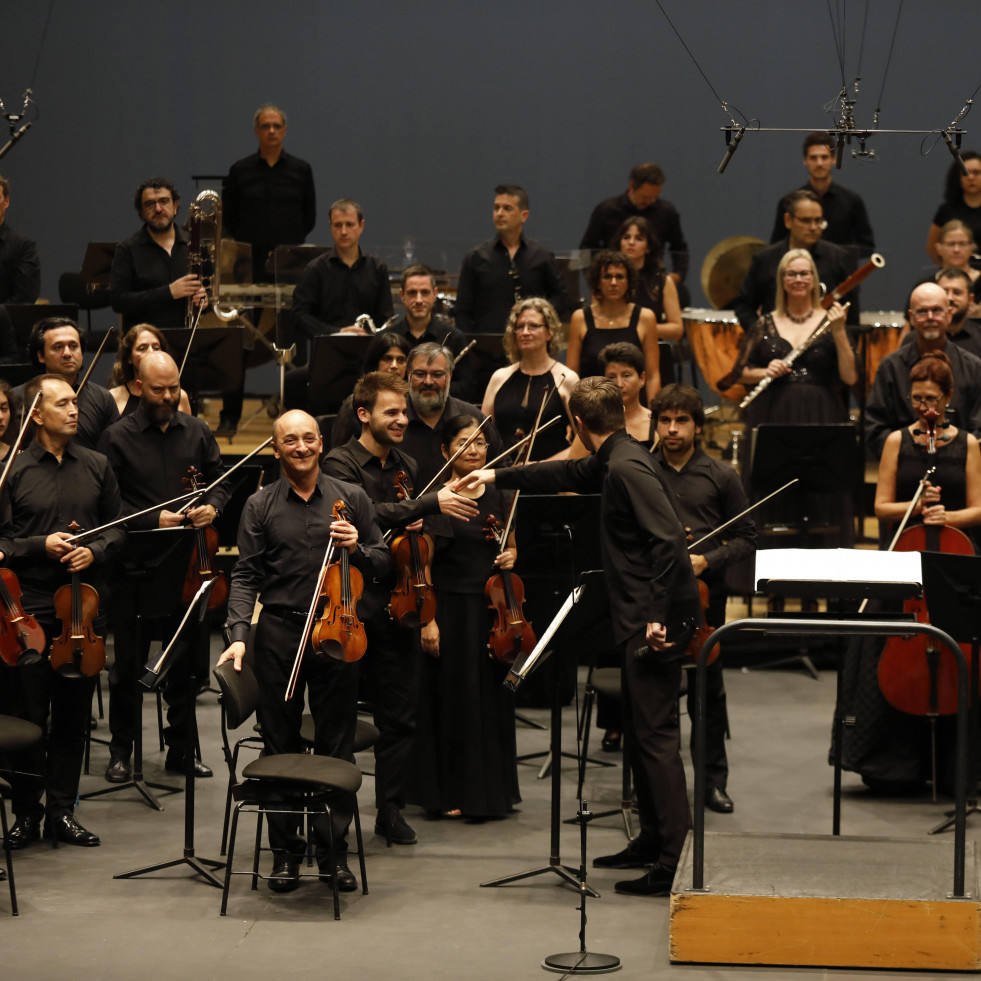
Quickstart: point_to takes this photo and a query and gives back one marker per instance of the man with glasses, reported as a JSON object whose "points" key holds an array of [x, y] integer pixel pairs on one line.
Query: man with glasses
{"points": [[889, 407], [430, 373], [149, 282], [804, 221]]}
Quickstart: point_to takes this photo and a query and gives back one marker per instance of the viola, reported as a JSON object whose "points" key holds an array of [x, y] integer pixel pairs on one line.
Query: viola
{"points": [[78, 649], [338, 633], [21, 638], [413, 601], [511, 634], [703, 632], [202, 567]]}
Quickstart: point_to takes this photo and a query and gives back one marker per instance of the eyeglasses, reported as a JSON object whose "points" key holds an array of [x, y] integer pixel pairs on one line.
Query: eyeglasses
{"points": [[437, 376], [929, 400], [521, 327], [922, 313], [477, 444], [152, 205]]}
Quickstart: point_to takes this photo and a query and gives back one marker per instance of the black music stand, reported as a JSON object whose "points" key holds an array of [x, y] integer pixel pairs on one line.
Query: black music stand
{"points": [[952, 589], [336, 362], [152, 679], [155, 565], [585, 605], [215, 363]]}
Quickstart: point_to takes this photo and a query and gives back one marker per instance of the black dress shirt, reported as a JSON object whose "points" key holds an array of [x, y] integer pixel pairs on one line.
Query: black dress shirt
{"points": [[43, 496], [662, 216], [20, 268], [281, 545], [97, 411], [424, 445], [490, 283], [331, 294], [844, 211], [706, 493], [889, 407], [759, 290], [649, 578], [139, 283], [441, 331], [268, 205], [151, 464]]}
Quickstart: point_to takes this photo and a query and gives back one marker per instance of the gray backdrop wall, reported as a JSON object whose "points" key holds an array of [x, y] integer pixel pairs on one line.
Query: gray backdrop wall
{"points": [[418, 110]]}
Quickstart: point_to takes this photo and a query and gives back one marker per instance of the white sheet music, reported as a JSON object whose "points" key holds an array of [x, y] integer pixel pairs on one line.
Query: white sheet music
{"points": [[838, 565]]}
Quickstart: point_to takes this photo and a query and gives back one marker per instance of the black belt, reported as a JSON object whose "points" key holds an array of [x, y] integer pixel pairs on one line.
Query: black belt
{"points": [[287, 614]]}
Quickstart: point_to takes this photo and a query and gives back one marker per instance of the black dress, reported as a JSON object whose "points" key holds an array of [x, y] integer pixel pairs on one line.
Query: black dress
{"points": [[887, 747], [465, 756], [516, 407], [596, 338], [650, 287]]}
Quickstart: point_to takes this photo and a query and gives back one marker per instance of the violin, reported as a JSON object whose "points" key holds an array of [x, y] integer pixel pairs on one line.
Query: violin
{"points": [[202, 567], [78, 649], [914, 675], [338, 633], [413, 601], [21, 638], [511, 634]]}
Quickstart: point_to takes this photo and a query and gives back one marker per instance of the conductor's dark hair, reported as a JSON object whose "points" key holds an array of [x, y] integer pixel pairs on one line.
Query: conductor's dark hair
{"points": [[598, 402], [679, 398], [35, 343]]}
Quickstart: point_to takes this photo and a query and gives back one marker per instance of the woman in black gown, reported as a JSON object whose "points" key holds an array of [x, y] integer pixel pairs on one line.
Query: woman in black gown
{"points": [[514, 394], [890, 749], [466, 758], [655, 288]]}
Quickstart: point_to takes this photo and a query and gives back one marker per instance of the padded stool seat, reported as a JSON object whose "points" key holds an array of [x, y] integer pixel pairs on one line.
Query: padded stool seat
{"points": [[17, 734], [607, 681], [310, 772], [365, 734]]}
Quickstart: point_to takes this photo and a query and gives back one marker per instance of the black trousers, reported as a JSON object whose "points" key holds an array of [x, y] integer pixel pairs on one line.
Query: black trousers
{"points": [[332, 690], [391, 670], [650, 701], [37, 693]]}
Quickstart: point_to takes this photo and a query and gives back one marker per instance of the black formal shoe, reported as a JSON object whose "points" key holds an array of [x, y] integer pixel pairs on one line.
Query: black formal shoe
{"points": [[285, 874], [655, 882], [636, 855], [394, 828], [3, 875], [175, 764], [611, 741], [65, 828], [718, 800], [346, 881], [118, 770], [25, 830]]}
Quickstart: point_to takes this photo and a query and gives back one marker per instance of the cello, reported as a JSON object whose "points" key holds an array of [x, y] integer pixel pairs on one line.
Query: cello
{"points": [[78, 649], [413, 601]]}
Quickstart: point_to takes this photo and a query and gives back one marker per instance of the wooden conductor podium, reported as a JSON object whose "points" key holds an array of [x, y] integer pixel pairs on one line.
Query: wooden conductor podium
{"points": [[831, 900]]}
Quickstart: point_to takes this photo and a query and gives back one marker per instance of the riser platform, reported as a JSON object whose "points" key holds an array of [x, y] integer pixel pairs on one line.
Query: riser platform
{"points": [[825, 901]]}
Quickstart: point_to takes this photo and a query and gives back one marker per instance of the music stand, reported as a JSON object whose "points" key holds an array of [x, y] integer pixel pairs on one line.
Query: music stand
{"points": [[336, 361], [155, 564], [952, 589], [152, 679], [215, 363], [586, 604]]}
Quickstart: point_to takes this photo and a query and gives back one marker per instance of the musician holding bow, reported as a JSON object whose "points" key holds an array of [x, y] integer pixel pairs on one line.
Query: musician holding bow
{"points": [[373, 461], [282, 539], [53, 482]]}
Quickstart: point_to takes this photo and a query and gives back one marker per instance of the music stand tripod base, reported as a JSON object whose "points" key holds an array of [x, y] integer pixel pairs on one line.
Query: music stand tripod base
{"points": [[581, 962]]}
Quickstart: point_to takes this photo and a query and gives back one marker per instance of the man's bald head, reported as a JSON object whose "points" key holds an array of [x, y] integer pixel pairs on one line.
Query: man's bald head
{"points": [[929, 315], [159, 383]]}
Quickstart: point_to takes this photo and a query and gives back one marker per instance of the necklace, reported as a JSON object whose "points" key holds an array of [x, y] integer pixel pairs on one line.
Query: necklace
{"points": [[799, 320]]}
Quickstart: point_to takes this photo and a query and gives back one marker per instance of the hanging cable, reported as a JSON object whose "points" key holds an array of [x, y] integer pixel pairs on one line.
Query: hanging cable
{"points": [[40, 48], [838, 35], [885, 74], [861, 47]]}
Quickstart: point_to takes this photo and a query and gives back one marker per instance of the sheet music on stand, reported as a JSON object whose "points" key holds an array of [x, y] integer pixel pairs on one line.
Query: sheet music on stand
{"points": [[847, 573]]}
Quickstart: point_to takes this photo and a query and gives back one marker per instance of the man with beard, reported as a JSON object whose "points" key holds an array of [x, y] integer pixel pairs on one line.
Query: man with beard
{"points": [[284, 533], [963, 331], [52, 482], [149, 282], [391, 665], [430, 374], [151, 451], [55, 345], [889, 407]]}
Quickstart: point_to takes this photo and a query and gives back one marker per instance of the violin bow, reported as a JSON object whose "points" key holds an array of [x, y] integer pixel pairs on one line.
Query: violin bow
{"points": [[452, 459], [752, 507], [95, 359], [190, 340], [521, 442], [20, 438], [204, 491]]}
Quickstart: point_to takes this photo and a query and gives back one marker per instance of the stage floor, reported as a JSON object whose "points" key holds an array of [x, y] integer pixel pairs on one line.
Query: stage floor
{"points": [[425, 916]]}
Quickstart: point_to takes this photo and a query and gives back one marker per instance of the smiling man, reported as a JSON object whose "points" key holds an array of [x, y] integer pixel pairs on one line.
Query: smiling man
{"points": [[844, 211]]}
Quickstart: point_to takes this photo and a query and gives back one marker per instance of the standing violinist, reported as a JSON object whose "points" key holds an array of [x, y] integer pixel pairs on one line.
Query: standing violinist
{"points": [[372, 461], [706, 493], [888, 748], [283, 536], [52, 483], [150, 451], [654, 607]]}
